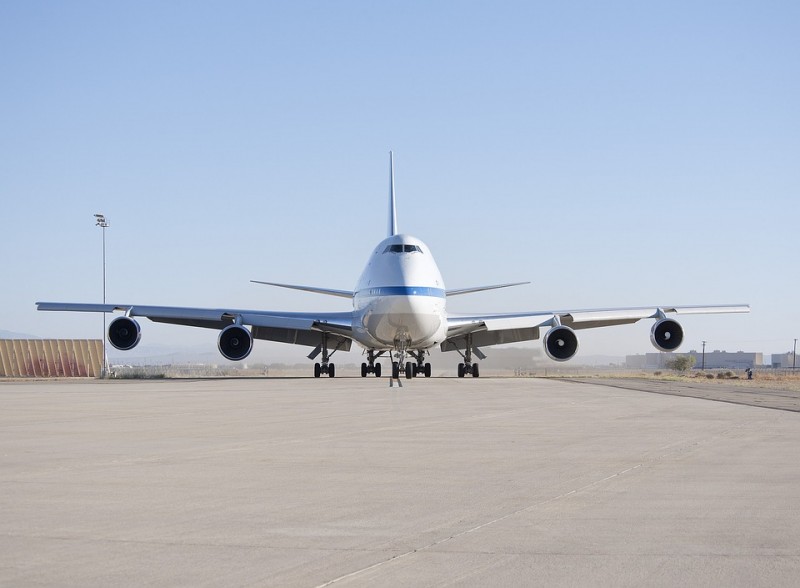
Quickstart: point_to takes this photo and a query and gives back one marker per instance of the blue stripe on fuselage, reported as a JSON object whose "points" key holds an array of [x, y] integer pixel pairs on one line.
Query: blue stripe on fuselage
{"points": [[402, 291]]}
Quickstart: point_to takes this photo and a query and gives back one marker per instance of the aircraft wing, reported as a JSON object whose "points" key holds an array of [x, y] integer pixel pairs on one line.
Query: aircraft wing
{"points": [[497, 329], [299, 328]]}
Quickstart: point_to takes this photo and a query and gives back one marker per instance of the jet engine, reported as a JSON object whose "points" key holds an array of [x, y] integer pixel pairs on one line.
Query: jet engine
{"points": [[235, 342], [124, 333], [666, 335], [560, 343]]}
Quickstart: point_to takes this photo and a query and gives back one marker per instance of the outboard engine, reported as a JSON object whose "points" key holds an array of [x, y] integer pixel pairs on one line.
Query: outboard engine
{"points": [[124, 333], [235, 342], [666, 335], [560, 343]]}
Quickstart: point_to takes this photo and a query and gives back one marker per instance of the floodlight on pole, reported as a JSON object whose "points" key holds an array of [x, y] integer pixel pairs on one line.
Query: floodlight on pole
{"points": [[100, 221], [704, 356]]}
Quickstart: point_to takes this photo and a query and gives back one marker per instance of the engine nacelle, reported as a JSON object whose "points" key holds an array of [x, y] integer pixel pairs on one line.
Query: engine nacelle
{"points": [[235, 342], [124, 333], [666, 335], [560, 343]]}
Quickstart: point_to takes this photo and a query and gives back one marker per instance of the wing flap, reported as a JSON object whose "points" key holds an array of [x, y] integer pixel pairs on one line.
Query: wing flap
{"points": [[309, 338], [488, 338]]}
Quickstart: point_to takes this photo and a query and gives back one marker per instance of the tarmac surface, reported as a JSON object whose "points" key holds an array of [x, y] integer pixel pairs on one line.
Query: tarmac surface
{"points": [[748, 392], [347, 482]]}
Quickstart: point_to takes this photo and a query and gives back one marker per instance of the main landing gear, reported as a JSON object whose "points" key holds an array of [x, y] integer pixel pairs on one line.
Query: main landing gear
{"points": [[371, 367], [420, 367], [325, 367], [469, 368], [465, 369]]}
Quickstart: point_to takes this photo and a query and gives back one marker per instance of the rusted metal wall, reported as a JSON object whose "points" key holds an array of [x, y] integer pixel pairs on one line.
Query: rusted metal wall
{"points": [[51, 358]]}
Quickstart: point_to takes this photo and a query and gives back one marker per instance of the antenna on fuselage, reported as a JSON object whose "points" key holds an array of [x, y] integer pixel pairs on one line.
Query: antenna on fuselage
{"points": [[392, 207]]}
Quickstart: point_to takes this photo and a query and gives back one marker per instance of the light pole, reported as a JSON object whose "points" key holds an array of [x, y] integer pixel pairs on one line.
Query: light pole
{"points": [[704, 356], [100, 221], [794, 354]]}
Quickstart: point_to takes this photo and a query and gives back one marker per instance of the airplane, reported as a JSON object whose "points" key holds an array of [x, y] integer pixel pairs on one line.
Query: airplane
{"points": [[399, 309]]}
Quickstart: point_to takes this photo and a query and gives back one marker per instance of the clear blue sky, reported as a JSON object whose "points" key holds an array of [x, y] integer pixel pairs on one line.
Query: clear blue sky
{"points": [[615, 154]]}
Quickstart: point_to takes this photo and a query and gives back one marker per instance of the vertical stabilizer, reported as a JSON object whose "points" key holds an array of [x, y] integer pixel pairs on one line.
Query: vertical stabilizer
{"points": [[392, 207]]}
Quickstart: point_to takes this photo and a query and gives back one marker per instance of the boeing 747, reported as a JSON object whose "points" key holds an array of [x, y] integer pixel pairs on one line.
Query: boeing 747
{"points": [[400, 311]]}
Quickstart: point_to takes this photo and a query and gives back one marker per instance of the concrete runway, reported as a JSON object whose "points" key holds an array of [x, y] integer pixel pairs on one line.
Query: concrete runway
{"points": [[346, 482]]}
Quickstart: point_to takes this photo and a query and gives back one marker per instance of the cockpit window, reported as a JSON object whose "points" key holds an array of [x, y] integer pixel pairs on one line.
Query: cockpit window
{"points": [[403, 249]]}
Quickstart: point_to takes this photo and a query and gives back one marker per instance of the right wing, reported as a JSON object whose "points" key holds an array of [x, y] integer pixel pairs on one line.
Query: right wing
{"points": [[299, 328], [314, 289]]}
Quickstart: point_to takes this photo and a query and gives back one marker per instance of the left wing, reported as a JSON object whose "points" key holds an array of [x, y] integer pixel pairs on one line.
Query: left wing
{"points": [[314, 289], [496, 329], [299, 328]]}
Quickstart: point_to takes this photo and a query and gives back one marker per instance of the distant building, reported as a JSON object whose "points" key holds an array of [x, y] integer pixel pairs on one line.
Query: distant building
{"points": [[713, 360], [784, 360], [51, 358]]}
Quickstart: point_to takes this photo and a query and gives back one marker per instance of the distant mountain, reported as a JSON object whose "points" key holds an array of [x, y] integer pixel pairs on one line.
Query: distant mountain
{"points": [[13, 335]]}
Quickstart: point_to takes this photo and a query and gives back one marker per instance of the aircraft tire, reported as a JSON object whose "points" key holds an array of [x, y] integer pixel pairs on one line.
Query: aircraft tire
{"points": [[331, 370], [475, 372], [377, 370], [317, 370], [461, 370], [427, 370], [363, 370], [409, 370], [395, 370]]}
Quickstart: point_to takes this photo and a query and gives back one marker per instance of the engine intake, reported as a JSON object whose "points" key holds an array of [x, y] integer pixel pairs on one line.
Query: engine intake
{"points": [[666, 335], [235, 342], [124, 333], [560, 343]]}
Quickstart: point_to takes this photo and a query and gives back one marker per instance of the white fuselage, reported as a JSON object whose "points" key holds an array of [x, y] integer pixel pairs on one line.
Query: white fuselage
{"points": [[399, 300]]}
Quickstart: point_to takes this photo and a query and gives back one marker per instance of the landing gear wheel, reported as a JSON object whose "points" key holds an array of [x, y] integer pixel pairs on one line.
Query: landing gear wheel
{"points": [[317, 370], [331, 370], [409, 370], [427, 370], [461, 370], [415, 370], [363, 370], [377, 370], [395, 370], [475, 371]]}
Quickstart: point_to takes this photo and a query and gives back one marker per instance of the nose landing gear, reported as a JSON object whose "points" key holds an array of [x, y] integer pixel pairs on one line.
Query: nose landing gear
{"points": [[411, 369]]}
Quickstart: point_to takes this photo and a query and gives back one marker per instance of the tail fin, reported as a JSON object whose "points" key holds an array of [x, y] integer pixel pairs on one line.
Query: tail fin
{"points": [[392, 207]]}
